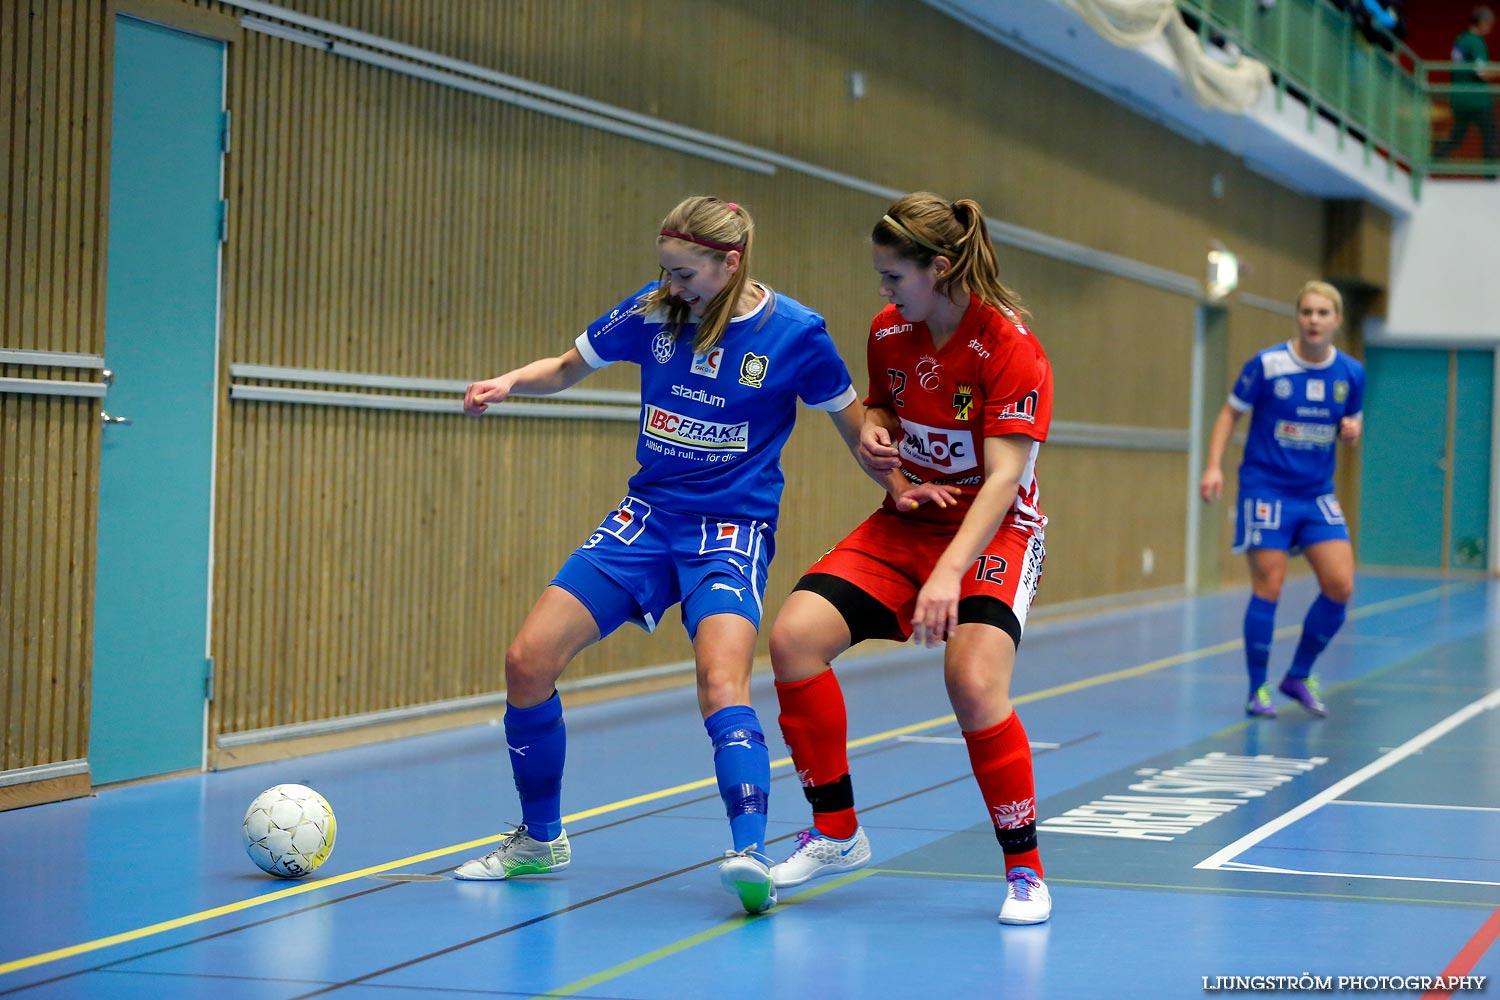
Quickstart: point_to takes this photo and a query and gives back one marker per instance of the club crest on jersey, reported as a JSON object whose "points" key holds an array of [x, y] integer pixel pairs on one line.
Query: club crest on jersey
{"points": [[963, 402], [1340, 391], [753, 370], [663, 345], [707, 365], [1282, 388], [929, 370]]}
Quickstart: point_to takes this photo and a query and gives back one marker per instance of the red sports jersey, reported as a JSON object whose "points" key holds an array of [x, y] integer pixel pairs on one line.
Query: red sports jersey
{"points": [[990, 379]]}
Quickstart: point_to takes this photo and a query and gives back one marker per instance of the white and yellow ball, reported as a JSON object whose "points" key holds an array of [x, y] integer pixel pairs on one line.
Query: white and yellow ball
{"points": [[289, 830]]}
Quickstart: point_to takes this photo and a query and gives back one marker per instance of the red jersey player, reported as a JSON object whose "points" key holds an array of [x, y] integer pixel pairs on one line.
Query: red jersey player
{"points": [[960, 401]]}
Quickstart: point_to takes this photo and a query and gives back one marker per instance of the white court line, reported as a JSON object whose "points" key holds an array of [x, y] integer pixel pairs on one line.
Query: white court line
{"points": [[1379, 764], [1243, 866], [1414, 805]]}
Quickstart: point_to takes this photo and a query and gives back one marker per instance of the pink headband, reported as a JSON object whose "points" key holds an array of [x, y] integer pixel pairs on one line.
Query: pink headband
{"points": [[703, 242]]}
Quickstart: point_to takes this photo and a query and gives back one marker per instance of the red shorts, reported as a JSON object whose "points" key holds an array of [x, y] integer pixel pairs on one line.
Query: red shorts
{"points": [[889, 557]]}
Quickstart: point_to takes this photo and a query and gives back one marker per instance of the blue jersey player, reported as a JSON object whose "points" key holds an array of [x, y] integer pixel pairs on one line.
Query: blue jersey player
{"points": [[1303, 397], [723, 362]]}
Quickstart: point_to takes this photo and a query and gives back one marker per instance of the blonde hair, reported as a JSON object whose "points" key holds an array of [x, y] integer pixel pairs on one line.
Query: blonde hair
{"points": [[711, 228], [1324, 289], [922, 226]]}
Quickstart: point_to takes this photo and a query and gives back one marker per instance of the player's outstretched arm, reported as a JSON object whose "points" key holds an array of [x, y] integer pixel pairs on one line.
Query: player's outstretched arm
{"points": [[540, 378], [853, 423], [1211, 485], [877, 451]]}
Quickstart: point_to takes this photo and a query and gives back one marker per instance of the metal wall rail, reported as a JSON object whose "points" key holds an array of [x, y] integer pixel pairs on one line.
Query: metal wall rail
{"points": [[444, 395], [576, 404], [52, 386]]}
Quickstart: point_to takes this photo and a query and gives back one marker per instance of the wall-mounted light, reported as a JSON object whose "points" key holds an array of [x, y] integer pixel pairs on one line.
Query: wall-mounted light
{"points": [[1223, 274]]}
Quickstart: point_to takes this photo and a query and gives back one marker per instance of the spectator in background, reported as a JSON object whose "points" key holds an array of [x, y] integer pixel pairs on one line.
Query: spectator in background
{"points": [[1472, 104]]}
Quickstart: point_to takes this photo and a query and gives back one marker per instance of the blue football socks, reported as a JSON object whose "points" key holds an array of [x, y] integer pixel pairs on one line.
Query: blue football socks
{"points": [[538, 744], [1322, 621], [1260, 624], [743, 766]]}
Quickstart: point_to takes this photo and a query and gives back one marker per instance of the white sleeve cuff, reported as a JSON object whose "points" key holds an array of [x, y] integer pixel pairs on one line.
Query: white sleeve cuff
{"points": [[838, 402], [587, 350]]}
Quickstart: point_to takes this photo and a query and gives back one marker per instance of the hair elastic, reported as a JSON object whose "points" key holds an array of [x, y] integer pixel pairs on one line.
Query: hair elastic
{"points": [[703, 241], [898, 227]]}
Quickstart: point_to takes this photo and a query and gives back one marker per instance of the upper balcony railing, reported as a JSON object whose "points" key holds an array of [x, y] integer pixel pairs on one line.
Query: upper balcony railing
{"points": [[1371, 86]]}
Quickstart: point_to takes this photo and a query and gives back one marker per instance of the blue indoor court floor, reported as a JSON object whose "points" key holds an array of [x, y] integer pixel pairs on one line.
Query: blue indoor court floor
{"points": [[1183, 843]]}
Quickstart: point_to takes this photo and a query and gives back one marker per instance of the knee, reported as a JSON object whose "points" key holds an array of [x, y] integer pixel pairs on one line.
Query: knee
{"points": [[1340, 591], [979, 699], [798, 650], [787, 641], [527, 665]]}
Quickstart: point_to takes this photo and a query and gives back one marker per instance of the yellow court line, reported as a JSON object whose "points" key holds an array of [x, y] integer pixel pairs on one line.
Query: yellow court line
{"points": [[692, 786], [667, 951]]}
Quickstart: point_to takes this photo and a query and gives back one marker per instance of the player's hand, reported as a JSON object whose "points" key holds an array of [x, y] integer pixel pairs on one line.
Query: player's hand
{"points": [[1211, 486], [1350, 429], [941, 494], [480, 394], [936, 616], [876, 452]]}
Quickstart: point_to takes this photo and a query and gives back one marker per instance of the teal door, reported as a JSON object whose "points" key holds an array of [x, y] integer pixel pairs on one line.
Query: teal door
{"points": [[151, 605], [1425, 477], [1473, 423]]}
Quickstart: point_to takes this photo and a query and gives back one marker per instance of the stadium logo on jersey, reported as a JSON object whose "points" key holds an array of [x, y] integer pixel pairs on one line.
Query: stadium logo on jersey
{"points": [[1025, 409], [697, 395], [945, 448], [753, 370], [1282, 388], [928, 372], [674, 428], [963, 402], [1315, 390], [662, 346], [1340, 391], [891, 331], [707, 365]]}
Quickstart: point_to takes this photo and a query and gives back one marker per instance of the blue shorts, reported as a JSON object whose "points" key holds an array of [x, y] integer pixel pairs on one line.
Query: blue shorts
{"points": [[642, 560], [1267, 520]]}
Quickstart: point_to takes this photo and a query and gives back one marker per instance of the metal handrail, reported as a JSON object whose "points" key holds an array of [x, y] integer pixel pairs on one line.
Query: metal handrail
{"points": [[1382, 95]]}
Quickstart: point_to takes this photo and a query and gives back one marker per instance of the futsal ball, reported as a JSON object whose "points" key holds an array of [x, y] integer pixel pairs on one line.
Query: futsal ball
{"points": [[289, 830]]}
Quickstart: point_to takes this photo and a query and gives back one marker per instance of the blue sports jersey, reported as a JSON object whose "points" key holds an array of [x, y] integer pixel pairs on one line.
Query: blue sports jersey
{"points": [[1294, 424], [713, 426]]}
